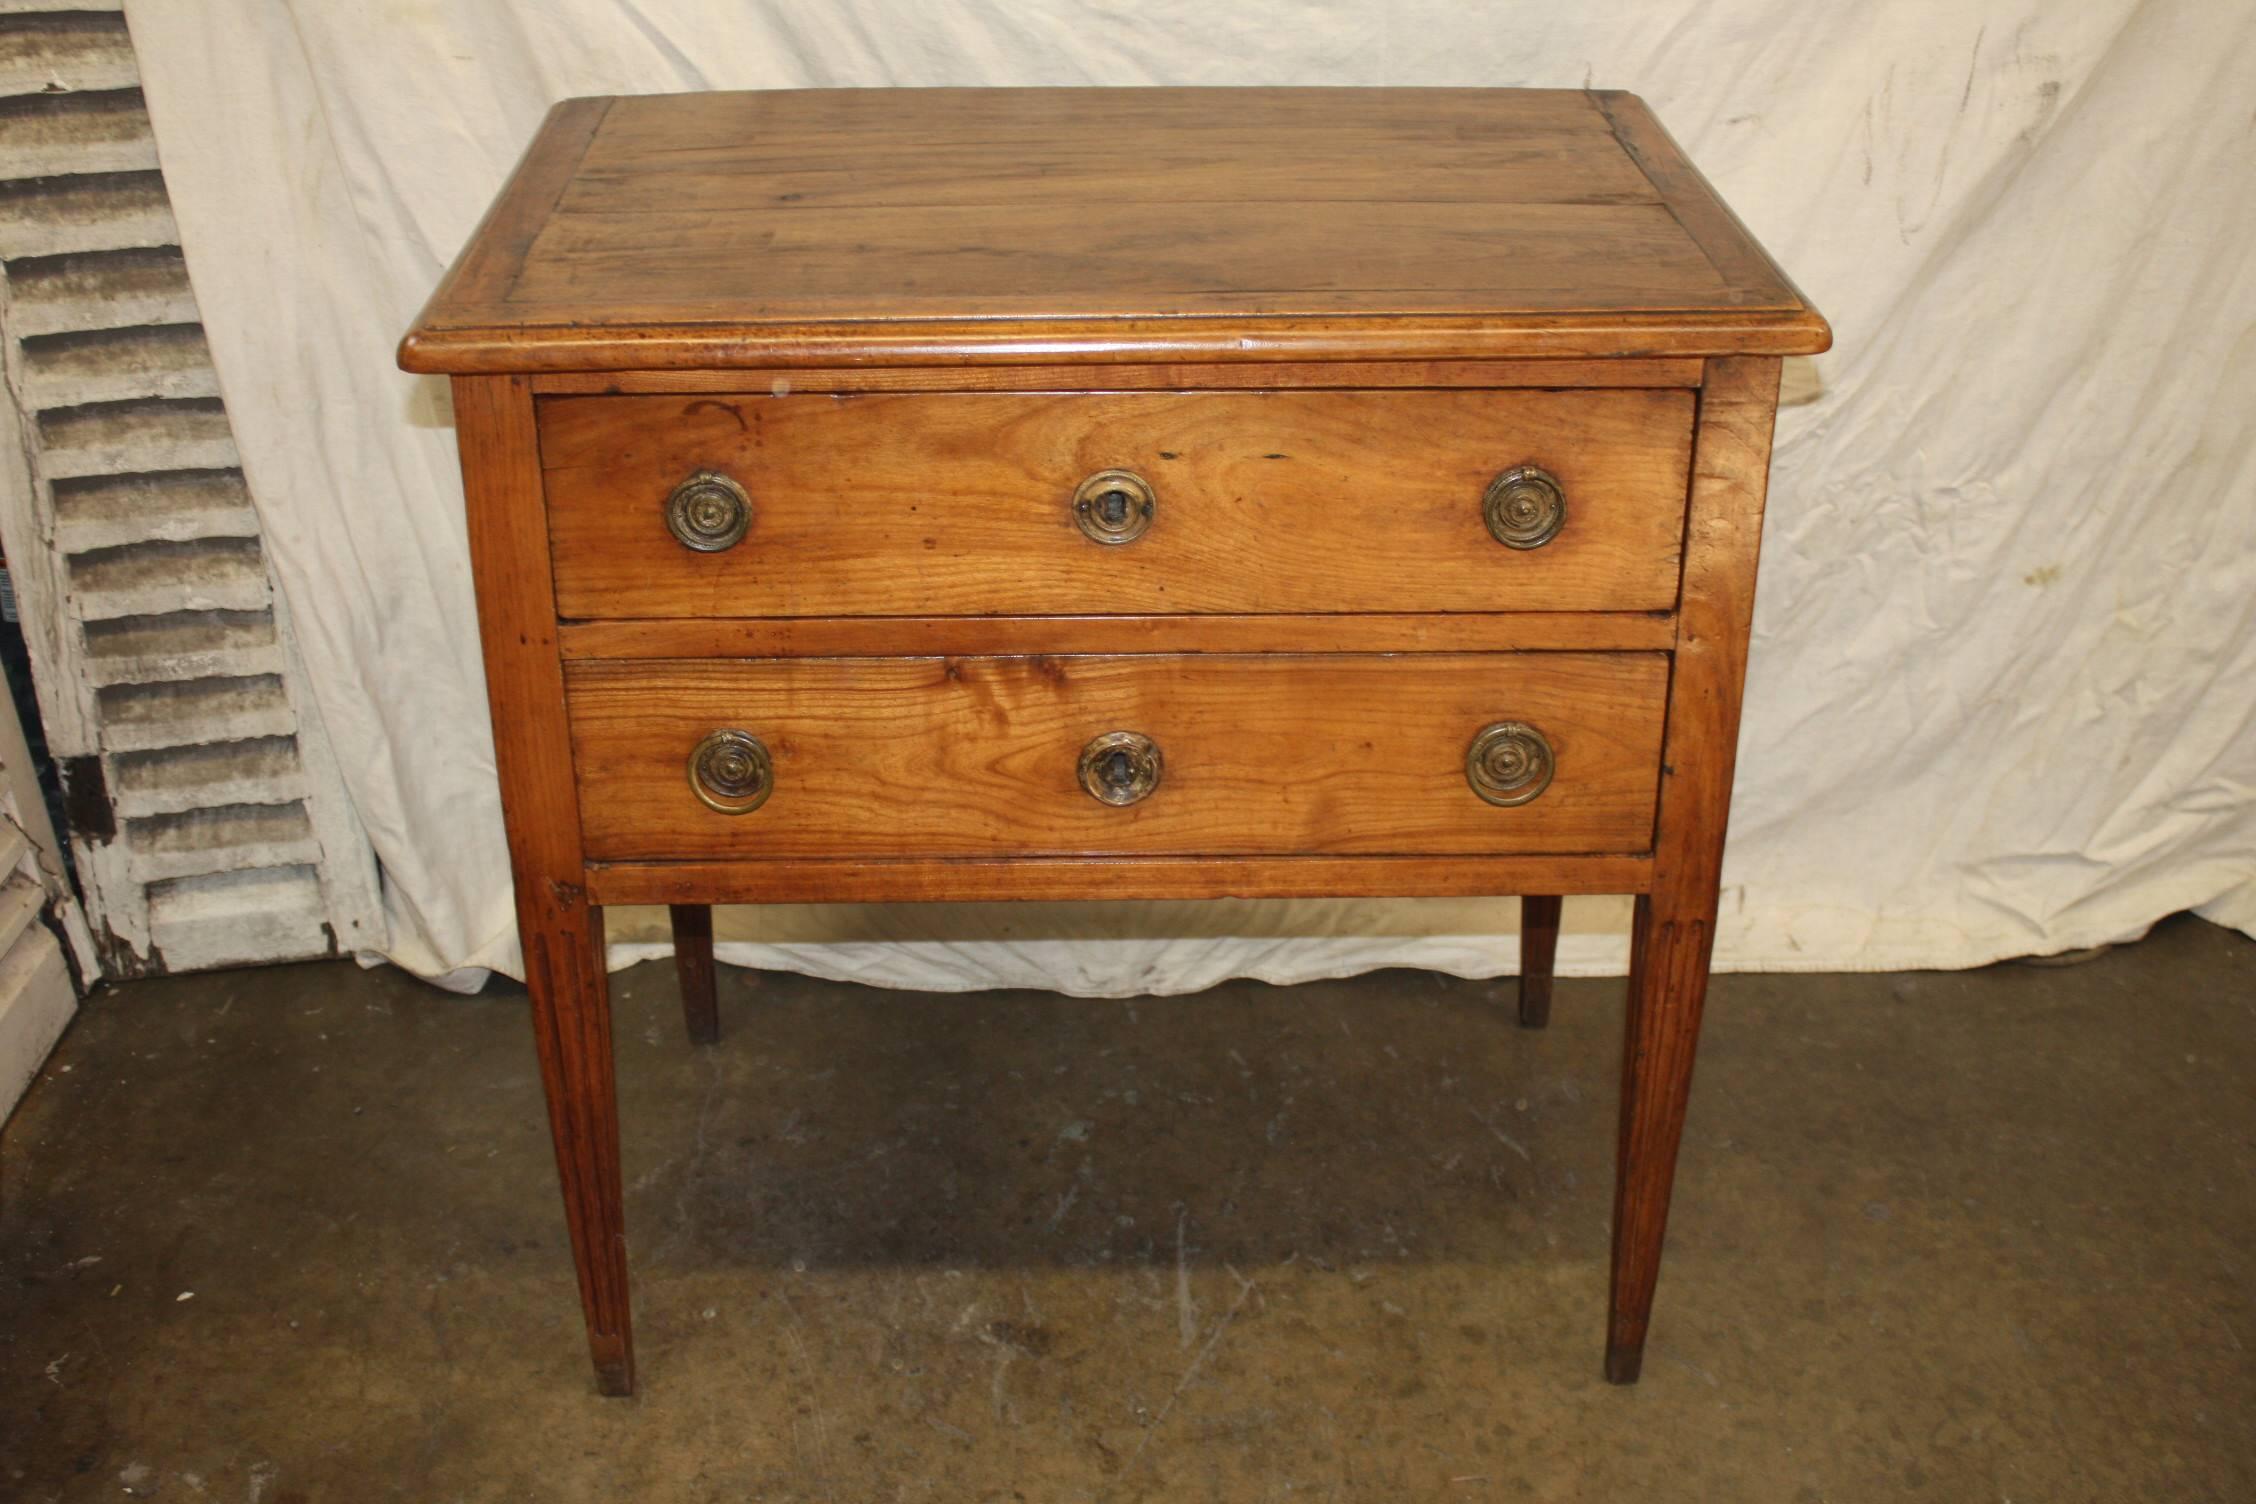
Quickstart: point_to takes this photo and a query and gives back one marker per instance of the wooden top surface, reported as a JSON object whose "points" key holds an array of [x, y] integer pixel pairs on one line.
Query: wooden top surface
{"points": [[921, 226]]}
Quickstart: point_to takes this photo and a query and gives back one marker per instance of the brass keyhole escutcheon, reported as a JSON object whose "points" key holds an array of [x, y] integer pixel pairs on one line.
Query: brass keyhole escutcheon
{"points": [[1120, 767], [1525, 507], [732, 772], [1509, 763], [1114, 506], [708, 512]]}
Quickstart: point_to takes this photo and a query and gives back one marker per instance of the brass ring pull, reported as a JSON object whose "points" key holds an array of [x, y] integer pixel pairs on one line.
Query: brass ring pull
{"points": [[1120, 767], [708, 513], [732, 772], [1114, 506], [1525, 507], [1509, 763]]}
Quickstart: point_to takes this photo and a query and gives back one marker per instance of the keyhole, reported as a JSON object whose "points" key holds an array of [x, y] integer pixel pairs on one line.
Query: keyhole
{"points": [[1117, 770], [1112, 506]]}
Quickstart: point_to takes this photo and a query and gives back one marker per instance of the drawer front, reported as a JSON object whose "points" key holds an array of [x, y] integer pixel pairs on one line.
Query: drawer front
{"points": [[964, 504], [1256, 755]]}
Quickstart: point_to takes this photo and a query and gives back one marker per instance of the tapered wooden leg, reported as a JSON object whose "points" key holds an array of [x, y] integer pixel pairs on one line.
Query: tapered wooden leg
{"points": [[693, 963], [561, 931], [1668, 983], [1673, 938], [572, 1031], [1539, 948]]}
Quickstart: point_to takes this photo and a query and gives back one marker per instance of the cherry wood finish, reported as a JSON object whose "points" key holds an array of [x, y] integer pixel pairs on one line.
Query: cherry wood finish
{"points": [[1331, 375], [934, 226], [1319, 321], [1106, 878], [1674, 930], [1272, 755], [960, 636], [561, 932], [1266, 502]]}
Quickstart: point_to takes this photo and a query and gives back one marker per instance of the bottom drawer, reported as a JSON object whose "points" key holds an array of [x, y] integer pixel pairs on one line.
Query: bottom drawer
{"points": [[1268, 755]]}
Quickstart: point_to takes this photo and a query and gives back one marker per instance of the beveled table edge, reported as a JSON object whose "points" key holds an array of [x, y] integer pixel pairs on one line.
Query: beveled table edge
{"points": [[548, 349]]}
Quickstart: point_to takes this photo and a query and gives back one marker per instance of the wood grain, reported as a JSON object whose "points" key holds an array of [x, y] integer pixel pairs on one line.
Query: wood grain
{"points": [[1024, 148], [496, 344], [1722, 238], [1180, 376], [561, 932], [1264, 755], [1673, 934], [1049, 256], [1109, 879], [1267, 502], [937, 225], [1004, 636], [910, 321], [495, 254]]}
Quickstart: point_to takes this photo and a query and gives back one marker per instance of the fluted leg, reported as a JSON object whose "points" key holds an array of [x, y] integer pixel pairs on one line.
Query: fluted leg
{"points": [[561, 931], [572, 1030]]}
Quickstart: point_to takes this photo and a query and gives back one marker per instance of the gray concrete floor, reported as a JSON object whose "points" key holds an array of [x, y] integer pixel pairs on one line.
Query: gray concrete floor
{"points": [[1954, 1237]]}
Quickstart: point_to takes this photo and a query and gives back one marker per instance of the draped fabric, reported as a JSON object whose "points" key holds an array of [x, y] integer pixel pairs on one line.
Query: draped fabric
{"points": [[2003, 687]]}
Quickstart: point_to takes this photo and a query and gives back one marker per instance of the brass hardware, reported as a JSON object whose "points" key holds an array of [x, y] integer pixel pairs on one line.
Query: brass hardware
{"points": [[1509, 763], [708, 512], [1525, 507], [731, 772], [1114, 506], [1120, 767]]}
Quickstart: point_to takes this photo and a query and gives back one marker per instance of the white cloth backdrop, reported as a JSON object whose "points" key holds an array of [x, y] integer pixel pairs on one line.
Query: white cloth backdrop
{"points": [[2004, 684]]}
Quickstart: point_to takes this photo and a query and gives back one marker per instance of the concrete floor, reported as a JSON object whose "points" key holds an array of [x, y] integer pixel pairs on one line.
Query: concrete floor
{"points": [[1956, 1237]]}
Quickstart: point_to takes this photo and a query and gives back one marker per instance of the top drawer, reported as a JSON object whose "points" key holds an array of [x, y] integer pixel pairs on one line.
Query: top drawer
{"points": [[1238, 502]]}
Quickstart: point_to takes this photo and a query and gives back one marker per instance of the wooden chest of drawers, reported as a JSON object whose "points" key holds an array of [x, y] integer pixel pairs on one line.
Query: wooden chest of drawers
{"points": [[1114, 494]]}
